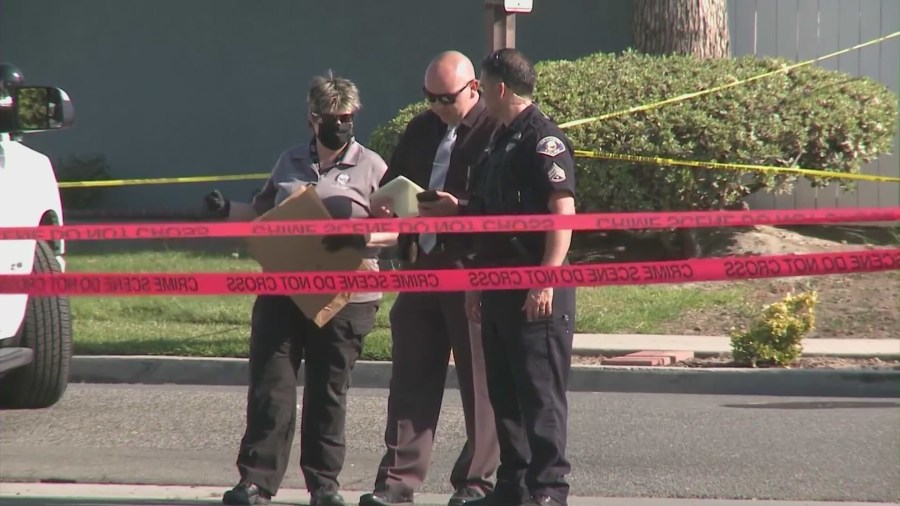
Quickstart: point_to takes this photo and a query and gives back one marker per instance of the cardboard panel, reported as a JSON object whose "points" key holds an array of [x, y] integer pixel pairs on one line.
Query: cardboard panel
{"points": [[304, 253]]}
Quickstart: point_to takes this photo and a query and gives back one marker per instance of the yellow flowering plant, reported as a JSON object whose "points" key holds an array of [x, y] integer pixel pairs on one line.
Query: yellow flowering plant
{"points": [[775, 337]]}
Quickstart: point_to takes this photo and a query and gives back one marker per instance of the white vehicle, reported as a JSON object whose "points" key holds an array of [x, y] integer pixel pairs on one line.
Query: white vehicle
{"points": [[35, 332]]}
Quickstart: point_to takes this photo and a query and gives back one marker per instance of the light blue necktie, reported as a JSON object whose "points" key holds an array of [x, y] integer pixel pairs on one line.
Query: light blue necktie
{"points": [[438, 176]]}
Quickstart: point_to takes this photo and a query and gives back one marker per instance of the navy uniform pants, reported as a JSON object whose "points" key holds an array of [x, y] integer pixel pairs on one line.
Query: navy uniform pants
{"points": [[281, 337], [528, 366]]}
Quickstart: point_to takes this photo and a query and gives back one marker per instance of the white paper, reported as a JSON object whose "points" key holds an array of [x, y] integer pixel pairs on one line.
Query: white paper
{"points": [[402, 192]]}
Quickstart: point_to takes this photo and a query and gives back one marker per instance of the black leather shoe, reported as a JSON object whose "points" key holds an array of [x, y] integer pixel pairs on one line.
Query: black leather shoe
{"points": [[541, 500], [327, 498], [465, 495], [385, 498], [246, 494]]}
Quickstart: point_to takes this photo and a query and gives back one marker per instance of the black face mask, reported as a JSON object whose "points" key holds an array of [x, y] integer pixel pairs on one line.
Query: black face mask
{"points": [[335, 135]]}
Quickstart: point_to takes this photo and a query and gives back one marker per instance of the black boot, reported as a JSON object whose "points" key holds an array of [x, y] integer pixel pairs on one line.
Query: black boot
{"points": [[385, 498], [326, 498], [541, 500], [246, 494], [465, 496]]}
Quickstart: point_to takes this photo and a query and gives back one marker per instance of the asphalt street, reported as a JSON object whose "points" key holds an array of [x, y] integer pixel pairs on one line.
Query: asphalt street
{"points": [[620, 445]]}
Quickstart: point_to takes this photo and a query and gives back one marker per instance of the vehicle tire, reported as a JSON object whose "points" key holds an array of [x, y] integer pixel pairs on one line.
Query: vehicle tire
{"points": [[47, 330]]}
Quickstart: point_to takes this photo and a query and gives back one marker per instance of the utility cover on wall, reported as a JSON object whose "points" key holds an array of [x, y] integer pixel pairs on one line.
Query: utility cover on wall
{"points": [[518, 5]]}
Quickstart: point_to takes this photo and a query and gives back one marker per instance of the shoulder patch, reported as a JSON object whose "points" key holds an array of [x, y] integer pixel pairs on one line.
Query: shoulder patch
{"points": [[550, 146], [556, 174]]}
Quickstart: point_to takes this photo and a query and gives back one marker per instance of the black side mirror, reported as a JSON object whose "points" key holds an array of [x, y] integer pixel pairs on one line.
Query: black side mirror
{"points": [[39, 108]]}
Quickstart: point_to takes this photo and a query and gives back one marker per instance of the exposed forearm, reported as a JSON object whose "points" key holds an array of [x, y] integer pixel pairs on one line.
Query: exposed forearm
{"points": [[558, 241], [382, 239], [556, 248], [241, 211]]}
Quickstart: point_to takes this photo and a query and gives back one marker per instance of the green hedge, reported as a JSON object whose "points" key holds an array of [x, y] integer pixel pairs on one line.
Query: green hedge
{"points": [[809, 117]]}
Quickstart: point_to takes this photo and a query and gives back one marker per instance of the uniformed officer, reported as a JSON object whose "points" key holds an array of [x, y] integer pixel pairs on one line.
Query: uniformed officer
{"points": [[528, 168], [345, 174]]}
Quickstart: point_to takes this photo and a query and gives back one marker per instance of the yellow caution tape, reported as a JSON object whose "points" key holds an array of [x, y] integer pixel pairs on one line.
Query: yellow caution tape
{"points": [[159, 180], [686, 96], [733, 166], [578, 153]]}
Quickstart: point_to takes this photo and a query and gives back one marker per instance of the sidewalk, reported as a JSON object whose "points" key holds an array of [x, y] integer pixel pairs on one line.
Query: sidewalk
{"points": [[33, 494], [620, 344]]}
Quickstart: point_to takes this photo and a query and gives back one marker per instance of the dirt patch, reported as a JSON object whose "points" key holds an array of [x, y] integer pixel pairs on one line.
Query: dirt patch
{"points": [[850, 305], [725, 360], [765, 240]]}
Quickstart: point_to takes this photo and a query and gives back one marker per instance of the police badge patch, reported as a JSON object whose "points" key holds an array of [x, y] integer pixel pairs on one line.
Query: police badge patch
{"points": [[556, 174], [550, 146]]}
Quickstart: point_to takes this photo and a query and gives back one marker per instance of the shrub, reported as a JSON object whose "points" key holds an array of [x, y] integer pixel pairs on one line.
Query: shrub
{"points": [[809, 117], [81, 168], [775, 338]]}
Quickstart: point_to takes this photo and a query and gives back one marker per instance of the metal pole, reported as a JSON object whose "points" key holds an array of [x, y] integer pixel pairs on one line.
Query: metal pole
{"points": [[500, 26]]}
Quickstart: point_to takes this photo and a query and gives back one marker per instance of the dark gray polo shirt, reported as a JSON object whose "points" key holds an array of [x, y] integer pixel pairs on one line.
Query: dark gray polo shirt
{"points": [[344, 188]]}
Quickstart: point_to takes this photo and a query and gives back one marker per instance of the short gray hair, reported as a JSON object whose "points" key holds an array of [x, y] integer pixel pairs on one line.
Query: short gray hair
{"points": [[329, 94]]}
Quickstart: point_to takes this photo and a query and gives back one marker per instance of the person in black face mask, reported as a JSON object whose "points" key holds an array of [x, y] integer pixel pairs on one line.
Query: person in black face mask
{"points": [[345, 174], [334, 130]]}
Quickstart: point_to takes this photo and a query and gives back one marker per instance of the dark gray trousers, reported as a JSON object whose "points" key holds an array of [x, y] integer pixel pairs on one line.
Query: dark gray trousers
{"points": [[281, 336], [426, 328]]}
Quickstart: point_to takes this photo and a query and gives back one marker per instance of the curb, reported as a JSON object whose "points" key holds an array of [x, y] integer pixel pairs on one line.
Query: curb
{"points": [[665, 380], [710, 353]]}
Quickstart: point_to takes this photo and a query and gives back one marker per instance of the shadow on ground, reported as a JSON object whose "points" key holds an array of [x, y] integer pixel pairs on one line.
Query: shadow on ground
{"points": [[816, 405], [28, 501], [77, 501]]}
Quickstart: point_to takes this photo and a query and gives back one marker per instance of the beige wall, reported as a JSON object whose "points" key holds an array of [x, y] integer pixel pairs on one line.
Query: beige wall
{"points": [[805, 29]]}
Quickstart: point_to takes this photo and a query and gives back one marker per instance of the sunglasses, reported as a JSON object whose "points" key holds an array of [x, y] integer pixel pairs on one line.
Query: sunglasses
{"points": [[445, 98], [333, 118]]}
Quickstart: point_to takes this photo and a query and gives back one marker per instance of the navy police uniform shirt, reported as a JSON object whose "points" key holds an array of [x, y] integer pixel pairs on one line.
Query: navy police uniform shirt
{"points": [[524, 163]]}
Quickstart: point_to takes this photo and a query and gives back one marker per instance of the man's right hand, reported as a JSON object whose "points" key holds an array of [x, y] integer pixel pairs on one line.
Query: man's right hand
{"points": [[217, 204], [473, 306]]}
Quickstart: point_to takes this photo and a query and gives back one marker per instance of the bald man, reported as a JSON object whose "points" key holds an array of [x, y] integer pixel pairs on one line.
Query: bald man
{"points": [[436, 151]]}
